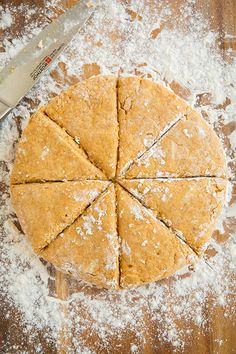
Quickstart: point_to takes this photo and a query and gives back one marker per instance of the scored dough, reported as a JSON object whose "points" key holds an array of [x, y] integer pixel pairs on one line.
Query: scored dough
{"points": [[88, 112], [46, 209], [46, 152], [189, 206], [190, 148], [149, 250], [106, 132], [88, 249], [146, 110]]}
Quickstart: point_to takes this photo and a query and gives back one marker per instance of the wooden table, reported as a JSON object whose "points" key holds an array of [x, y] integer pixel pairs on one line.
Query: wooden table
{"points": [[222, 18]]}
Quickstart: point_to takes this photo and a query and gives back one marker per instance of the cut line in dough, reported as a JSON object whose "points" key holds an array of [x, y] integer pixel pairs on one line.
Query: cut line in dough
{"points": [[146, 111], [150, 251], [190, 207], [190, 148], [47, 152], [75, 111], [88, 248], [45, 210]]}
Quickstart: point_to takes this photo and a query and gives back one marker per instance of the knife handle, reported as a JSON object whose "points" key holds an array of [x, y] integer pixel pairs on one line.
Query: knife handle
{"points": [[4, 109]]}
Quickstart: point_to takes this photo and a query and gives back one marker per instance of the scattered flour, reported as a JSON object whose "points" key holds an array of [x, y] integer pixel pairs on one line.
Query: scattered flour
{"points": [[5, 18], [125, 247], [137, 212], [120, 42], [232, 138], [44, 153]]}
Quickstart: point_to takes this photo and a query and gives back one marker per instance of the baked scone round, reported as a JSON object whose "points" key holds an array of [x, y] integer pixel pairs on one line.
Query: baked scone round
{"points": [[118, 182]]}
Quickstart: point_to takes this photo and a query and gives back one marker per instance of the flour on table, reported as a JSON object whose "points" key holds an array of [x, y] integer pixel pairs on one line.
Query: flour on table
{"points": [[5, 18], [121, 43]]}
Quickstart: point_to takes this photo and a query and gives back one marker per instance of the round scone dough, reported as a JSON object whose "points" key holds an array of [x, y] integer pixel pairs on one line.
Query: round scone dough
{"points": [[118, 182]]}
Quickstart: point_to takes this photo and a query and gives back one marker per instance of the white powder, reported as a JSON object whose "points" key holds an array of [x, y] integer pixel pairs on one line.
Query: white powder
{"points": [[93, 193], [232, 249], [156, 153], [144, 243], [232, 138], [118, 44], [136, 193], [77, 140], [82, 195], [201, 131], [44, 152], [78, 196], [101, 210], [88, 224], [125, 248], [137, 212], [5, 18], [148, 142], [186, 132]]}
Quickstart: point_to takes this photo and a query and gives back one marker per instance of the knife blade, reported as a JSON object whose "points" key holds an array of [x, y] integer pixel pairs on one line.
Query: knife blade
{"points": [[25, 69]]}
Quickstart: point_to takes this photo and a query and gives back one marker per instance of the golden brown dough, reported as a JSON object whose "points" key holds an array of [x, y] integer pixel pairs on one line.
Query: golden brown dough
{"points": [[149, 250], [146, 110], [44, 210], [46, 152], [190, 148], [88, 112], [106, 132], [190, 206], [88, 249]]}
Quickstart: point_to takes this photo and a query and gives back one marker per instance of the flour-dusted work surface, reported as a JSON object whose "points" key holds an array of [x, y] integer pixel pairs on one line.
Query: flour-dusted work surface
{"points": [[189, 46]]}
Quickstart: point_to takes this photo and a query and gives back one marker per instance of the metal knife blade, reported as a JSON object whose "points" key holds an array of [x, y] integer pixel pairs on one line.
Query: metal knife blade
{"points": [[25, 69]]}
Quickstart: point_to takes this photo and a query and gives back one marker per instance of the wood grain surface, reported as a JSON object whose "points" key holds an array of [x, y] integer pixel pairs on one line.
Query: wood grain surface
{"points": [[222, 15]]}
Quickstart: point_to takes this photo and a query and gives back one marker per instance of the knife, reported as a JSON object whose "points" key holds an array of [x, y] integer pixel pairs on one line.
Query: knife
{"points": [[25, 69]]}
